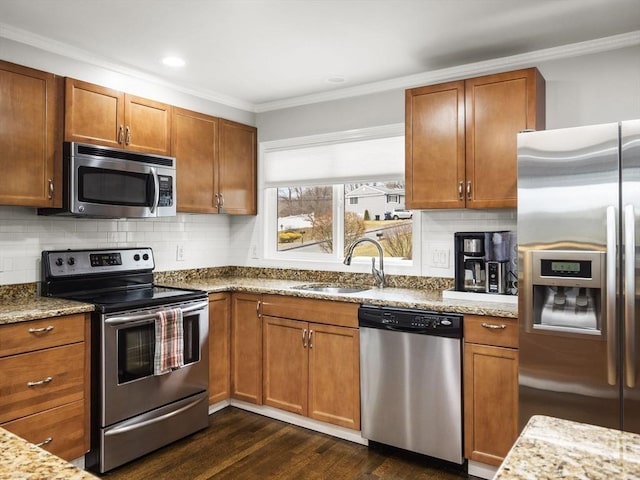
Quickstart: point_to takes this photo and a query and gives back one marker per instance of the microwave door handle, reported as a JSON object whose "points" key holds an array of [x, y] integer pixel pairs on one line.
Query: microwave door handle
{"points": [[156, 190]]}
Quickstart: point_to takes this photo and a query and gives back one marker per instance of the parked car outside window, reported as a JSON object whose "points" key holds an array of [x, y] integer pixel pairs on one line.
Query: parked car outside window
{"points": [[399, 214]]}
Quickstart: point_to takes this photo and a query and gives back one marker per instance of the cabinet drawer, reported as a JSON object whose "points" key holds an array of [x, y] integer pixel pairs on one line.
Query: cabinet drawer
{"points": [[56, 376], [327, 312], [38, 334], [497, 331], [58, 430]]}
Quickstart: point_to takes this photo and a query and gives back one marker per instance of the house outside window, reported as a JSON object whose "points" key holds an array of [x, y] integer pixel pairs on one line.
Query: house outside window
{"points": [[346, 190]]}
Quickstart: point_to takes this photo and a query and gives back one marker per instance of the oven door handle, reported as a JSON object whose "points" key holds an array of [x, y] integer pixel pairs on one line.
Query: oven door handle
{"points": [[151, 421], [150, 316]]}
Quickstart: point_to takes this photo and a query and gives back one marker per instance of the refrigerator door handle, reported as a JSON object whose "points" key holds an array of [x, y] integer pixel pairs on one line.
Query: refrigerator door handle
{"points": [[629, 296], [611, 296]]}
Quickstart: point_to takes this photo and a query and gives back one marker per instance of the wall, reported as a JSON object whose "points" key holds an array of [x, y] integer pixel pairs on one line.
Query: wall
{"points": [[594, 88], [587, 89]]}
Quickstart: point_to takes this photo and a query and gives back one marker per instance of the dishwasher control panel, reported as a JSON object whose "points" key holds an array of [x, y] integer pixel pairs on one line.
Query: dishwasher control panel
{"points": [[410, 320]]}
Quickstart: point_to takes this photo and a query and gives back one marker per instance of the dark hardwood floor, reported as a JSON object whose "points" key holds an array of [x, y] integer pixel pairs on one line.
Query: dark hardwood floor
{"points": [[242, 445]]}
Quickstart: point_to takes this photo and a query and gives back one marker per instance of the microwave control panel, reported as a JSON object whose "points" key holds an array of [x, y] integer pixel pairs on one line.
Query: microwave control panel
{"points": [[166, 191]]}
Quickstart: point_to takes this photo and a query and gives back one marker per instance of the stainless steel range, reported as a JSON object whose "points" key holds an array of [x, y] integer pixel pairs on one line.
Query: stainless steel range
{"points": [[137, 407]]}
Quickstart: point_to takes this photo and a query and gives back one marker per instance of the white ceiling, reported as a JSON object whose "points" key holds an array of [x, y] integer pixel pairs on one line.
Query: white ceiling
{"points": [[261, 52]]}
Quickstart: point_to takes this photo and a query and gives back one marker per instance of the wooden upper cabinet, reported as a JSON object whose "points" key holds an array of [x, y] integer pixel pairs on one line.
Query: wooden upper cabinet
{"points": [[461, 136], [195, 145], [237, 163], [497, 107], [434, 149], [31, 139], [103, 116]]}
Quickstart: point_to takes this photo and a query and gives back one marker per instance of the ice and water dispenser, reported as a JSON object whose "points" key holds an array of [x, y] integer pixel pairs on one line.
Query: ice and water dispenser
{"points": [[567, 289]]}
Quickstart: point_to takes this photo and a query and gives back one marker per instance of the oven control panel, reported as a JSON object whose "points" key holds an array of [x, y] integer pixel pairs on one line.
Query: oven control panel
{"points": [[62, 263]]}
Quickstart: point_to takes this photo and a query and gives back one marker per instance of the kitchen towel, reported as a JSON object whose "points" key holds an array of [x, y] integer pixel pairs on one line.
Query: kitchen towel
{"points": [[169, 354]]}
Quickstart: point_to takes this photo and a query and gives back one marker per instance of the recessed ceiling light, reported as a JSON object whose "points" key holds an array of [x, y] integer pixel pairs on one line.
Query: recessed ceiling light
{"points": [[173, 61], [335, 79]]}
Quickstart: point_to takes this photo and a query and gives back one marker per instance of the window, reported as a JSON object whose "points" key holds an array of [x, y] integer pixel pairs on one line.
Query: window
{"points": [[320, 196]]}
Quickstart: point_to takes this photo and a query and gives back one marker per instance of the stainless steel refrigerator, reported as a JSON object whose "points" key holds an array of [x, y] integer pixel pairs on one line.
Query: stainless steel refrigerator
{"points": [[579, 274]]}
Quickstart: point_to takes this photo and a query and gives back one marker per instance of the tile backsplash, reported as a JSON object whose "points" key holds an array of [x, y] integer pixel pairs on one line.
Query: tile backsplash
{"points": [[23, 235]]}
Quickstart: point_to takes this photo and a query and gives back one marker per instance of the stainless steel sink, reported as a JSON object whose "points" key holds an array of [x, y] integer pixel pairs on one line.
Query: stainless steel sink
{"points": [[330, 288]]}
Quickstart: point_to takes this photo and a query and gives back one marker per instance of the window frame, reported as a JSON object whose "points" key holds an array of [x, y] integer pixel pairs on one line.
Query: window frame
{"points": [[269, 227]]}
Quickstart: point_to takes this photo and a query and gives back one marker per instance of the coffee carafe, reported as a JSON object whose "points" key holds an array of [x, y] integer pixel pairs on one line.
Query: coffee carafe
{"points": [[470, 275]]}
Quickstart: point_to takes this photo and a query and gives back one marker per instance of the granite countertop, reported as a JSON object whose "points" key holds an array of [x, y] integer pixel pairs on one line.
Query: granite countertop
{"points": [[20, 459], [22, 308], [429, 299], [551, 448]]}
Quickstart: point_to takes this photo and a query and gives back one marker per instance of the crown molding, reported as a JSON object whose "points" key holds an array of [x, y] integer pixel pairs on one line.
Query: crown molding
{"points": [[463, 71], [437, 76], [65, 50]]}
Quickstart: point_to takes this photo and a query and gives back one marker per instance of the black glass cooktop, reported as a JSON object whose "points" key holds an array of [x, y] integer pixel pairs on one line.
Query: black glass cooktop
{"points": [[137, 297]]}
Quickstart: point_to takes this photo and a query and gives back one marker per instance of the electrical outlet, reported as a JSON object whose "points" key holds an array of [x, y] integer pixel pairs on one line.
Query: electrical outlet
{"points": [[180, 252], [440, 257]]}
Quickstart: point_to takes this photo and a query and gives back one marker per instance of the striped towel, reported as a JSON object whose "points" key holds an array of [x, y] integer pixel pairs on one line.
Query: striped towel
{"points": [[169, 354]]}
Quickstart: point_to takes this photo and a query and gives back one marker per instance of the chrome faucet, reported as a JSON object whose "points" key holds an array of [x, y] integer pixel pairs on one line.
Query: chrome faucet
{"points": [[378, 275]]}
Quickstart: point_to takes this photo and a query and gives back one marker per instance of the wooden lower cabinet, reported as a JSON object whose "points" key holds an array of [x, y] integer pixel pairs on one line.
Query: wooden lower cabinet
{"points": [[311, 368], [219, 343], [246, 347], [490, 387], [45, 382]]}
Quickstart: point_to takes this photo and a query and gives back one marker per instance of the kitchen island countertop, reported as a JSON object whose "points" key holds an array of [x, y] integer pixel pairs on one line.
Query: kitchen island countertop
{"points": [[552, 448]]}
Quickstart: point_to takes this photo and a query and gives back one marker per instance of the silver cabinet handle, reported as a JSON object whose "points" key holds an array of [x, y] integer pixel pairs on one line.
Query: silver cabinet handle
{"points": [[629, 296], [50, 188], [310, 338], [121, 134], [40, 382], [221, 200], [469, 190], [490, 326], [460, 187], [304, 338], [128, 137], [258, 305], [46, 329], [610, 311], [46, 441], [217, 205]]}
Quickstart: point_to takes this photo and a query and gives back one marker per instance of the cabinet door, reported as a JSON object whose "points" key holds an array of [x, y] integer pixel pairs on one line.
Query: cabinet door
{"points": [[246, 348], [237, 168], [194, 140], [497, 108], [93, 114], [147, 125], [490, 402], [334, 375], [219, 354], [285, 368], [435, 150], [30, 139]]}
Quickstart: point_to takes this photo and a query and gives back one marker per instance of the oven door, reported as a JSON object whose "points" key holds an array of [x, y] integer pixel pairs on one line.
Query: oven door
{"points": [[128, 385], [110, 187]]}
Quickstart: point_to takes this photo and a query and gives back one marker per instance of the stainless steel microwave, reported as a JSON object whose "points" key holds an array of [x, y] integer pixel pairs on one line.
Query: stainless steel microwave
{"points": [[114, 183]]}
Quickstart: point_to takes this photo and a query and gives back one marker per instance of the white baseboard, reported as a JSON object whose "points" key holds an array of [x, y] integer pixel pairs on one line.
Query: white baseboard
{"points": [[481, 470], [300, 421]]}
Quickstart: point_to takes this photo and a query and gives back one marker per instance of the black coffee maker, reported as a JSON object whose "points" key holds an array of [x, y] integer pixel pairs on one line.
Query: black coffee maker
{"points": [[470, 269]]}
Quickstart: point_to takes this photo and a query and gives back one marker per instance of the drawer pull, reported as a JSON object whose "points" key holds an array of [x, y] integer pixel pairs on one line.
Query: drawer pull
{"points": [[40, 382], [46, 441], [502, 326], [48, 328]]}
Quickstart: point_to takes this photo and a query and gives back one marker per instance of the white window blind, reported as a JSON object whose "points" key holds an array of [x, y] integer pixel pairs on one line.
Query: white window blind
{"points": [[371, 159]]}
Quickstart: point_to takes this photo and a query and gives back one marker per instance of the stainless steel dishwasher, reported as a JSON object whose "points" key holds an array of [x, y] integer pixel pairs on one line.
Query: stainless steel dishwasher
{"points": [[411, 380]]}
